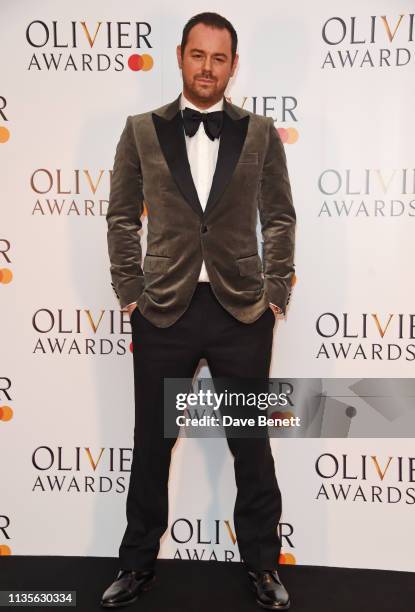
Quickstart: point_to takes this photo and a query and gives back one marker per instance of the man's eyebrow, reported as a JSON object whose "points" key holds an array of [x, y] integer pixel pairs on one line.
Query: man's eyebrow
{"points": [[201, 51]]}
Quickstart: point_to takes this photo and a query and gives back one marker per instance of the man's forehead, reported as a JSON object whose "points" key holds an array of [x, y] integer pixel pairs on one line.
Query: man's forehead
{"points": [[198, 34]]}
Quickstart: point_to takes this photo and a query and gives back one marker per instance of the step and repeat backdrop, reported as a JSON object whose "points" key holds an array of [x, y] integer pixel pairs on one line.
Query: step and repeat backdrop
{"points": [[337, 78]]}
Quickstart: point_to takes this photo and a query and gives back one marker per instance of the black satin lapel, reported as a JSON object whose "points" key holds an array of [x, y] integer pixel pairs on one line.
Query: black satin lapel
{"points": [[230, 146], [170, 134]]}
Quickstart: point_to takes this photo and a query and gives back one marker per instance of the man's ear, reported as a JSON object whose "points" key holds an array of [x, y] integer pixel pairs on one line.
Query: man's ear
{"points": [[235, 63], [179, 55]]}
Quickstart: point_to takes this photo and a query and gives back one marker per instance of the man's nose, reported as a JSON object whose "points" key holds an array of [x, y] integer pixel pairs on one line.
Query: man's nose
{"points": [[207, 64]]}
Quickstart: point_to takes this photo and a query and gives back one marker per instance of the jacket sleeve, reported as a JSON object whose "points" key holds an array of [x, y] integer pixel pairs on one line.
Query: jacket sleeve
{"points": [[123, 219], [278, 220]]}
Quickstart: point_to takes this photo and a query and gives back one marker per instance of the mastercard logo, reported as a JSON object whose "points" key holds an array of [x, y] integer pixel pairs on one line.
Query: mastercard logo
{"points": [[4, 134], [138, 62], [6, 413], [287, 559], [6, 275], [288, 135]]}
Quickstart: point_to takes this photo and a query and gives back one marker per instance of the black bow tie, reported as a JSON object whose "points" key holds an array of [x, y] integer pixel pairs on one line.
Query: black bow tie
{"points": [[212, 122]]}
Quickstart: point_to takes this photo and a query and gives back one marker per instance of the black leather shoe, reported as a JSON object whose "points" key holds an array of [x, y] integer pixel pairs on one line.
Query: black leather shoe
{"points": [[126, 588], [271, 594]]}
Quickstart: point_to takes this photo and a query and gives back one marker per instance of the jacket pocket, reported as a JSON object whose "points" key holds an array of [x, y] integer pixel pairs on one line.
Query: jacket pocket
{"points": [[250, 265], [249, 158], [156, 263]]}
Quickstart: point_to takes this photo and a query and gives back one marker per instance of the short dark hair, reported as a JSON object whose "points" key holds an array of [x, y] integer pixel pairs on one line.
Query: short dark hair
{"points": [[215, 21]]}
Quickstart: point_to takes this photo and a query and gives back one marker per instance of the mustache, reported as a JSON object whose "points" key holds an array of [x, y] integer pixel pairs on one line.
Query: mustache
{"points": [[205, 76]]}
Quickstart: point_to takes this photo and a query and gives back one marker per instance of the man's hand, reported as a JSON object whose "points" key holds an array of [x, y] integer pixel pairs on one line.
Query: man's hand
{"points": [[275, 309], [130, 308]]}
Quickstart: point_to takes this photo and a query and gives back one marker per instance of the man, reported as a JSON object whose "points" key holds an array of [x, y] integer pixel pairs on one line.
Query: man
{"points": [[204, 167]]}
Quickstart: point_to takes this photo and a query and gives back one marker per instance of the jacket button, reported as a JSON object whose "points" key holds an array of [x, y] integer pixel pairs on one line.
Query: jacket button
{"points": [[204, 229]]}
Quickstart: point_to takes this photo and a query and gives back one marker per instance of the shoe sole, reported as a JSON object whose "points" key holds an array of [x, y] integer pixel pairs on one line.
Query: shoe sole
{"points": [[273, 606], [146, 587]]}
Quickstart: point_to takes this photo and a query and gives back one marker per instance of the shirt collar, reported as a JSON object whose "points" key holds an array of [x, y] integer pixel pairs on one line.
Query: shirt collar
{"points": [[215, 107]]}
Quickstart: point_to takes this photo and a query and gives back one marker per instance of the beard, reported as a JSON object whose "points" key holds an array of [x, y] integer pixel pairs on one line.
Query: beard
{"points": [[203, 91]]}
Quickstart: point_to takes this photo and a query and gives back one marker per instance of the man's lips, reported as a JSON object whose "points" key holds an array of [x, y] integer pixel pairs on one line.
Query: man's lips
{"points": [[205, 80]]}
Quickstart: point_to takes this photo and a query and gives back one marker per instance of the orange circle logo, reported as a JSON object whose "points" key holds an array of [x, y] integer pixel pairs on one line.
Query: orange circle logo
{"points": [[287, 559], [4, 134], [6, 413], [6, 275], [278, 414]]}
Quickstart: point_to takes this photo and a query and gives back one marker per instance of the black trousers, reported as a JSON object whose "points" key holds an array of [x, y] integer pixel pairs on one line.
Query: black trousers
{"points": [[232, 349]]}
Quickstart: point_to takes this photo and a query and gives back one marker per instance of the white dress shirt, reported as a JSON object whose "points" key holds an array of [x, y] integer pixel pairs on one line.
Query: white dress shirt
{"points": [[202, 153]]}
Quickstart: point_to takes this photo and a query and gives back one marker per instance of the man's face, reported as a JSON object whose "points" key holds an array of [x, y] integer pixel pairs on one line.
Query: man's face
{"points": [[206, 64]]}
